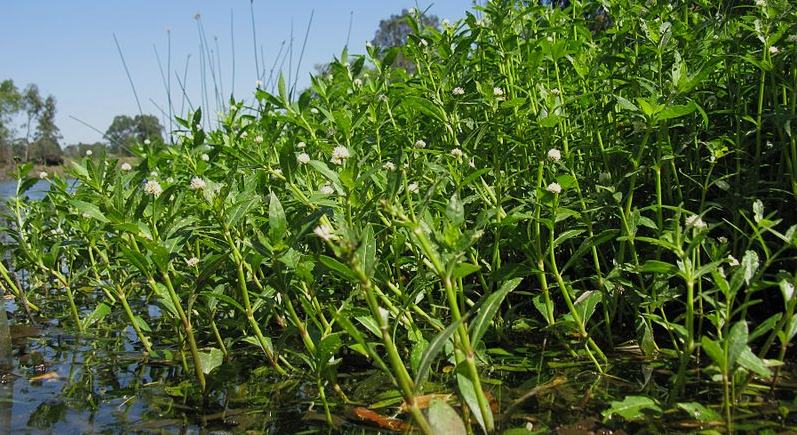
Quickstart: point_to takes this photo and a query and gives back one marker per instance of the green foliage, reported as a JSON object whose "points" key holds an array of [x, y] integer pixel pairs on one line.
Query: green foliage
{"points": [[589, 184]]}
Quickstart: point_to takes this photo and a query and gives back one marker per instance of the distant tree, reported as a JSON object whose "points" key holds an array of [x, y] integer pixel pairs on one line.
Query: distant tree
{"points": [[393, 32], [125, 132], [10, 100], [47, 135], [33, 105]]}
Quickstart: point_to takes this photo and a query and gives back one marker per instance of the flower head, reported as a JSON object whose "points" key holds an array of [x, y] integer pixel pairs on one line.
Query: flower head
{"points": [[383, 98], [303, 158], [389, 166], [498, 91], [89, 153], [412, 188], [327, 190], [554, 188], [456, 152], [126, 167], [695, 221], [420, 143], [259, 84], [325, 232], [774, 50], [357, 83], [314, 111], [43, 175], [197, 184], [732, 261], [192, 262], [458, 91], [301, 145], [146, 142], [554, 154], [152, 187], [259, 139], [205, 157], [339, 154]]}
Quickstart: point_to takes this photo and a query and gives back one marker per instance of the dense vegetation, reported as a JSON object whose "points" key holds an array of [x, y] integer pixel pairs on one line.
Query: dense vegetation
{"points": [[584, 179]]}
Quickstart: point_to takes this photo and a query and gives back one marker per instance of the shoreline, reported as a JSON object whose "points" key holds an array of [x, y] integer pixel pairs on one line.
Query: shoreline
{"points": [[7, 170]]}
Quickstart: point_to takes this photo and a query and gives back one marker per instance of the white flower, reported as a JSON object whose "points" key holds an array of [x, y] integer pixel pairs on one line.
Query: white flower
{"points": [[126, 166], [301, 145], [339, 154], [368, 45], [43, 175], [498, 91], [170, 180], [549, 38], [732, 261], [458, 91], [554, 188], [423, 42], [244, 135], [146, 142], [456, 152], [153, 174], [556, 91], [389, 166], [722, 239], [259, 139], [153, 188], [198, 127], [774, 50], [554, 154], [761, 3], [420, 143], [357, 83], [383, 98], [445, 23], [327, 189], [314, 111], [192, 262], [259, 84], [792, 38], [325, 232], [89, 153], [412, 188], [303, 158], [205, 157], [197, 183], [694, 221]]}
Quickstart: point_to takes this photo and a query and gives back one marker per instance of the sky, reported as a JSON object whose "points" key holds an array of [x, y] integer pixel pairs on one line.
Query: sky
{"points": [[69, 50]]}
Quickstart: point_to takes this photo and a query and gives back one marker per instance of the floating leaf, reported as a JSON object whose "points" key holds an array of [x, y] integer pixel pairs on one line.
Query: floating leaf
{"points": [[444, 420], [210, 360], [633, 408]]}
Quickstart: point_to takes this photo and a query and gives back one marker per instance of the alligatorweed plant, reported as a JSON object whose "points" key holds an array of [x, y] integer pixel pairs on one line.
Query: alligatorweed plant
{"points": [[603, 174]]}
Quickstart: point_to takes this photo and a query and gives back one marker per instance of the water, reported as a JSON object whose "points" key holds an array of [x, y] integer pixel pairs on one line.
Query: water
{"points": [[9, 187]]}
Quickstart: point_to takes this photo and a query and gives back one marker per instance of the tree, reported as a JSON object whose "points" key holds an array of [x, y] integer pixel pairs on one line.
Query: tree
{"points": [[47, 136], [10, 100], [393, 32], [125, 132], [33, 105]]}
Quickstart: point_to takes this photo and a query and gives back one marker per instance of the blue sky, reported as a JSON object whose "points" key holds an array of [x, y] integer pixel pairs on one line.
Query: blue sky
{"points": [[67, 48]]}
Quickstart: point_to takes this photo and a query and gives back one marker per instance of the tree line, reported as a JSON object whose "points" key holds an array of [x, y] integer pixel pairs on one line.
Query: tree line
{"points": [[28, 132]]}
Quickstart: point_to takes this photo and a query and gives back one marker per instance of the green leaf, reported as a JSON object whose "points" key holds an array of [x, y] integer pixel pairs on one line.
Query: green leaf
{"points": [[633, 408], [656, 266], [98, 314], [677, 111], [736, 342], [488, 310], [455, 210], [750, 361], [468, 392], [700, 412], [435, 346], [327, 349], [425, 106], [444, 420], [566, 235], [462, 270], [210, 360], [89, 209], [277, 223], [714, 351], [338, 267]]}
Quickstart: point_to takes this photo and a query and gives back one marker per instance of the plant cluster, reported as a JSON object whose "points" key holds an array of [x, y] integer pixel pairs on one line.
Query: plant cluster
{"points": [[596, 175]]}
